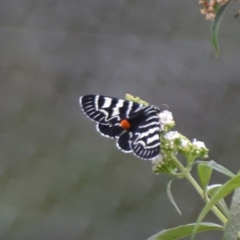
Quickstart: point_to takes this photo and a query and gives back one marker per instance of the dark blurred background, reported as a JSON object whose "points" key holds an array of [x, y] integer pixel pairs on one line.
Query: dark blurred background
{"points": [[59, 178]]}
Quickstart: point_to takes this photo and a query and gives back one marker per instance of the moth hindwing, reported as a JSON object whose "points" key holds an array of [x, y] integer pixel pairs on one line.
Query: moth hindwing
{"points": [[135, 127]]}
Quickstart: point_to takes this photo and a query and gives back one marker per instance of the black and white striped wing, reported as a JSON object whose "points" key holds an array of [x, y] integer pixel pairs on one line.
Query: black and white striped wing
{"points": [[145, 141], [108, 112], [142, 136]]}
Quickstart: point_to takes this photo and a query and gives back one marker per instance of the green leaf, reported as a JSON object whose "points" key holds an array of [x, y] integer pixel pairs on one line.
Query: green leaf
{"points": [[222, 192], [217, 167], [204, 174], [170, 196], [233, 225], [216, 24], [221, 169], [211, 190], [185, 230]]}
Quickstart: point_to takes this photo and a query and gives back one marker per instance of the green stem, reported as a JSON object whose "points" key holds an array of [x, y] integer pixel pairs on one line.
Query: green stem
{"points": [[189, 177]]}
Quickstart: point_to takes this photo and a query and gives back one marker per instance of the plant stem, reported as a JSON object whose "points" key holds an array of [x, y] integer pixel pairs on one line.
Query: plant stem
{"points": [[189, 177]]}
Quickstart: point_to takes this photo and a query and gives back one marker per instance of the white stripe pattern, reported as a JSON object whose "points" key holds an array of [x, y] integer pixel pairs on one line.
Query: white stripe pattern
{"points": [[107, 102], [116, 108], [142, 138]]}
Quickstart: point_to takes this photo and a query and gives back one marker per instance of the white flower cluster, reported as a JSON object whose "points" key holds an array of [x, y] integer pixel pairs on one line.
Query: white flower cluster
{"points": [[166, 119], [177, 143], [184, 142], [198, 144]]}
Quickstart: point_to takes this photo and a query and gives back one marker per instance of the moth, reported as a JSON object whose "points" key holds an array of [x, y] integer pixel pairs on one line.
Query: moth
{"points": [[135, 127]]}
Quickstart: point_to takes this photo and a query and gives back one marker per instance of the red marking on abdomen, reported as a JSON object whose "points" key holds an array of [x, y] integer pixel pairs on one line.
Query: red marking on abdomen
{"points": [[125, 124]]}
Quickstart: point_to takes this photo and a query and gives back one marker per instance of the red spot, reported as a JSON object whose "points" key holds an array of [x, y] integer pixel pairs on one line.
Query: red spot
{"points": [[125, 124]]}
